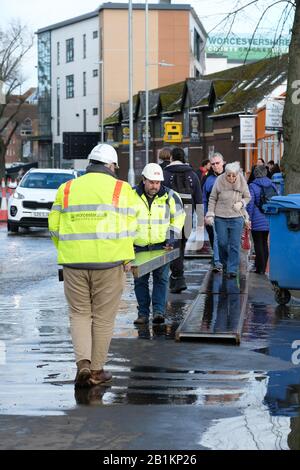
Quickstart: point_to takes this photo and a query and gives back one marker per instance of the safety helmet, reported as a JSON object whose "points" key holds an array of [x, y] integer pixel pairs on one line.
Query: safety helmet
{"points": [[153, 172], [104, 153]]}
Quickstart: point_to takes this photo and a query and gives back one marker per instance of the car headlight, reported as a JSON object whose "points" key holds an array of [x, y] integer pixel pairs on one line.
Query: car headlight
{"points": [[17, 195]]}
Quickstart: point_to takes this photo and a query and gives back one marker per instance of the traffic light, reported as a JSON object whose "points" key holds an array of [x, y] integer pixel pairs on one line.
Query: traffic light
{"points": [[173, 132]]}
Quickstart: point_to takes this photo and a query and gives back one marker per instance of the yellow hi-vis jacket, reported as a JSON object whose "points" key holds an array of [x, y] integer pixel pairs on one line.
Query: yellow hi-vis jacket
{"points": [[161, 223], [93, 221]]}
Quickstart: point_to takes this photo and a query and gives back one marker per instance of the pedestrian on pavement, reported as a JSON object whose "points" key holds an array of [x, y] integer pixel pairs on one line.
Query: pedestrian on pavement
{"points": [[92, 224], [181, 177], [217, 168], [275, 169], [203, 171], [260, 162], [226, 208], [160, 221], [259, 221], [165, 156]]}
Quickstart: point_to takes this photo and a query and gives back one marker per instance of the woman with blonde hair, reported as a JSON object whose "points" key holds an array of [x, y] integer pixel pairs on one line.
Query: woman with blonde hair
{"points": [[226, 209]]}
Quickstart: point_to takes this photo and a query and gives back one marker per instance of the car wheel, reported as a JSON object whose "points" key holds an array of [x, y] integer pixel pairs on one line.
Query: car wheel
{"points": [[14, 228]]}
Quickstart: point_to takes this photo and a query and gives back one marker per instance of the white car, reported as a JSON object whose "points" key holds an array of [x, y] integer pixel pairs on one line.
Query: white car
{"points": [[31, 202]]}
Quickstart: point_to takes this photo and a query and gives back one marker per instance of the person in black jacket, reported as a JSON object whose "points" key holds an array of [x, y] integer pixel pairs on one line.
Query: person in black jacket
{"points": [[165, 157], [181, 177]]}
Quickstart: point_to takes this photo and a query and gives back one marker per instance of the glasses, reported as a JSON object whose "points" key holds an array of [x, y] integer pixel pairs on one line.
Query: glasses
{"points": [[216, 163]]}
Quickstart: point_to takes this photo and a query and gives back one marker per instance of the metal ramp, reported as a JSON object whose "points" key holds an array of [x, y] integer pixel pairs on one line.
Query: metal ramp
{"points": [[218, 311], [146, 261]]}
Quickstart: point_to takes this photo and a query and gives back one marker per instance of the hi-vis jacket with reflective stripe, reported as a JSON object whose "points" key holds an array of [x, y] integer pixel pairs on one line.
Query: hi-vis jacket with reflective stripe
{"points": [[163, 221], [93, 221]]}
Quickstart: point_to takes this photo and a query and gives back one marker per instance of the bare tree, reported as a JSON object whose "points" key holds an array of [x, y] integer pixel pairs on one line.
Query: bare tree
{"points": [[291, 115], [15, 42]]}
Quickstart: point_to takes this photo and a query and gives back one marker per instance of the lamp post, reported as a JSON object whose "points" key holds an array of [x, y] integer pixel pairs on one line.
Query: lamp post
{"points": [[147, 64], [131, 174], [102, 100], [100, 62]]}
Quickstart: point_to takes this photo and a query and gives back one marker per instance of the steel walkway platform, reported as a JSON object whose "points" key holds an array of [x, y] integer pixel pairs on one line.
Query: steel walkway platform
{"points": [[146, 261], [218, 311]]}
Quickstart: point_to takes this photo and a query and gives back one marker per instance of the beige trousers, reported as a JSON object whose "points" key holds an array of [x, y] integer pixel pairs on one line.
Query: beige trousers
{"points": [[93, 297]]}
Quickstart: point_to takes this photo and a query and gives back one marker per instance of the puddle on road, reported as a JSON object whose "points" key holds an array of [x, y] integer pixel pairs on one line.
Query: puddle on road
{"points": [[36, 350]]}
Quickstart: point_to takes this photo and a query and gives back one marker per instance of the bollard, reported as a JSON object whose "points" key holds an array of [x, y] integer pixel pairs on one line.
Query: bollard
{"points": [[3, 208]]}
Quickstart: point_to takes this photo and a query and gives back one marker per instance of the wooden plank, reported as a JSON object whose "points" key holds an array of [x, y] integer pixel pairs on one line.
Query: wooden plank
{"points": [[146, 261]]}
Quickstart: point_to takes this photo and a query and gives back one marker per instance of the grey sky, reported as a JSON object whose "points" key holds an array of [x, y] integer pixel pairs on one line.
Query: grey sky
{"points": [[37, 14]]}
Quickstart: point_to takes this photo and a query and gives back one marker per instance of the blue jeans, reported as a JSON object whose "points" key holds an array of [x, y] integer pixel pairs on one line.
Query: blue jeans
{"points": [[159, 291], [216, 255], [213, 239], [229, 232]]}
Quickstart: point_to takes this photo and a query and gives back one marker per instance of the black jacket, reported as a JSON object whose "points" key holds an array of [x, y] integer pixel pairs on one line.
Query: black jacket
{"points": [[170, 170]]}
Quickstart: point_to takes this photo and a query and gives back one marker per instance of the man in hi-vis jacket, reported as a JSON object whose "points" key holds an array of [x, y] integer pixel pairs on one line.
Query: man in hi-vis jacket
{"points": [[93, 224]]}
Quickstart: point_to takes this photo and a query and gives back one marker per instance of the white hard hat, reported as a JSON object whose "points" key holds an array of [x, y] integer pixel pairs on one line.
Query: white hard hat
{"points": [[104, 153], [153, 172]]}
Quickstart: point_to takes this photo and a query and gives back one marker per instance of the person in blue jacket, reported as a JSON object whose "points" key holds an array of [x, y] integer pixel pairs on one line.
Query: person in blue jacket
{"points": [[259, 221]]}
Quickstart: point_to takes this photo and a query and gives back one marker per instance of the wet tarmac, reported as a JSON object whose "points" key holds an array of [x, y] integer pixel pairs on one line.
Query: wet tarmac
{"points": [[252, 391]]}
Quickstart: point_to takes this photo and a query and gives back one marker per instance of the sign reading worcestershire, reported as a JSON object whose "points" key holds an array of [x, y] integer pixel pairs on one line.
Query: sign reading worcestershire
{"points": [[235, 47]]}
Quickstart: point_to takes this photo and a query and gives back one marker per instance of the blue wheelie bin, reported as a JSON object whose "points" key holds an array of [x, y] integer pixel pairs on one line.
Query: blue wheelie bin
{"points": [[284, 219], [278, 180]]}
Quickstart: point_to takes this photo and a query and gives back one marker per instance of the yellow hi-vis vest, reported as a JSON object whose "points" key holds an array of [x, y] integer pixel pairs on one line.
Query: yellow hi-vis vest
{"points": [[93, 221], [155, 224]]}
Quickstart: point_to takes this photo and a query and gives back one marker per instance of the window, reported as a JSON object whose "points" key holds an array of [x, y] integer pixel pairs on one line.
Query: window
{"points": [[26, 128], [95, 73], [58, 53], [84, 120], [70, 50], [45, 180], [84, 46], [95, 34], [95, 111], [84, 83], [70, 86], [197, 45]]}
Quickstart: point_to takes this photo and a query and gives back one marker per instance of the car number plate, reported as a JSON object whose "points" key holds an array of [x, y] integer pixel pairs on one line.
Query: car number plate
{"points": [[41, 214]]}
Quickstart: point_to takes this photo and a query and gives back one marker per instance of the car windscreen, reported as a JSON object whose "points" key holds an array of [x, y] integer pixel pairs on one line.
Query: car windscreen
{"points": [[45, 180]]}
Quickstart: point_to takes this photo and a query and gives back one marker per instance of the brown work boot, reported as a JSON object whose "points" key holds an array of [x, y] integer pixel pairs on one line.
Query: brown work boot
{"points": [[83, 373], [100, 377]]}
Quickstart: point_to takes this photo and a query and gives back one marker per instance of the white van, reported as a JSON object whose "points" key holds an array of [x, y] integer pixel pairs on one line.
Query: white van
{"points": [[31, 202]]}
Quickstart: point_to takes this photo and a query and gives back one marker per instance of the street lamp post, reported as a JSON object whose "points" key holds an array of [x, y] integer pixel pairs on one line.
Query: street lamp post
{"points": [[131, 174], [102, 100], [100, 62], [146, 82], [147, 64]]}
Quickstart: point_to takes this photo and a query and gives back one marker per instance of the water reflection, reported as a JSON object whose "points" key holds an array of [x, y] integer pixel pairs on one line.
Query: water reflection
{"points": [[91, 396], [222, 311], [253, 428]]}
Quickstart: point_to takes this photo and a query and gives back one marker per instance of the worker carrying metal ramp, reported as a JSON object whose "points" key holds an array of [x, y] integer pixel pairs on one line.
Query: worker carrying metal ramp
{"points": [[93, 225], [161, 218]]}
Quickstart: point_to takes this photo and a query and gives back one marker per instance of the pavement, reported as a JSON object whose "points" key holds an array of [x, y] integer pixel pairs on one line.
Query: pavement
{"points": [[165, 395]]}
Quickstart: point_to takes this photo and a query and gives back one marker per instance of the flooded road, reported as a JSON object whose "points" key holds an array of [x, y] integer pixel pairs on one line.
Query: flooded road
{"points": [[252, 391]]}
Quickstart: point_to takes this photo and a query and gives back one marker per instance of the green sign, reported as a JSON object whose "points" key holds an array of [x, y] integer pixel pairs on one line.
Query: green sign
{"points": [[236, 48]]}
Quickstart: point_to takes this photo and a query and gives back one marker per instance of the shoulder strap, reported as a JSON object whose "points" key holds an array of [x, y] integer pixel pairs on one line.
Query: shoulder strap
{"points": [[117, 192], [67, 193]]}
